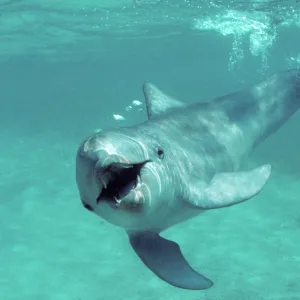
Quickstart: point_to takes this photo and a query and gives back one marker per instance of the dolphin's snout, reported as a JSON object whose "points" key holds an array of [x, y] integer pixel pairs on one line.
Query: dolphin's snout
{"points": [[88, 185]]}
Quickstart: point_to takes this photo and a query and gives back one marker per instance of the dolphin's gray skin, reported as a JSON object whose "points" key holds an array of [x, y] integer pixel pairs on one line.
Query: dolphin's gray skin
{"points": [[179, 163]]}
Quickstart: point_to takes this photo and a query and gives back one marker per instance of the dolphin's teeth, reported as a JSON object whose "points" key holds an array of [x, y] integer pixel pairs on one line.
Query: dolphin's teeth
{"points": [[126, 166], [118, 167], [139, 180], [103, 182], [118, 201], [118, 180]]}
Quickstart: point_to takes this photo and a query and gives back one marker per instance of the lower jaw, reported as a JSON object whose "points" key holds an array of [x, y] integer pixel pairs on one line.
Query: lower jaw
{"points": [[130, 203], [118, 217]]}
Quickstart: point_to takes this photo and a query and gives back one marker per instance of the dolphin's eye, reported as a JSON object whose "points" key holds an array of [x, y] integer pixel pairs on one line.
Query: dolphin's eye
{"points": [[160, 153]]}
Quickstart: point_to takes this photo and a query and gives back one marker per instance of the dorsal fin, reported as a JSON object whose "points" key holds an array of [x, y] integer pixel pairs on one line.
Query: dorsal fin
{"points": [[158, 102]]}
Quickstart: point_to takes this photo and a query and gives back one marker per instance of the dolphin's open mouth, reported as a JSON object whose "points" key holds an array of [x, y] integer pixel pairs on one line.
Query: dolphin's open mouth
{"points": [[118, 180]]}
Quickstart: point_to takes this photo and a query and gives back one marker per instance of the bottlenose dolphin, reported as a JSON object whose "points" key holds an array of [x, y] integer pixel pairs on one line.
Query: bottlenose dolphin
{"points": [[182, 161]]}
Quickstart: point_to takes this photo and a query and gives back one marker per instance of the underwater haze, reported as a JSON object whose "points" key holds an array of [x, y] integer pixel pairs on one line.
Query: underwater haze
{"points": [[69, 68]]}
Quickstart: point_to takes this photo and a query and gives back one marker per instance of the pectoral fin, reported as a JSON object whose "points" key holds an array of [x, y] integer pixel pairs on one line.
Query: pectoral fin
{"points": [[164, 258], [226, 189]]}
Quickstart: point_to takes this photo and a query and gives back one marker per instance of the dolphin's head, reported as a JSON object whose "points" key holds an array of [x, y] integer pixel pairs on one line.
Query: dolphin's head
{"points": [[119, 177]]}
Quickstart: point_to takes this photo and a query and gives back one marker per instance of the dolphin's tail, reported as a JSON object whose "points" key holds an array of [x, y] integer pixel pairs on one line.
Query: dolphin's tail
{"points": [[264, 107], [278, 97]]}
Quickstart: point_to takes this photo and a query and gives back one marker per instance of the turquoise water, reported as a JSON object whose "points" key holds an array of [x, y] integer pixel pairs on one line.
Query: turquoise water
{"points": [[66, 69]]}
